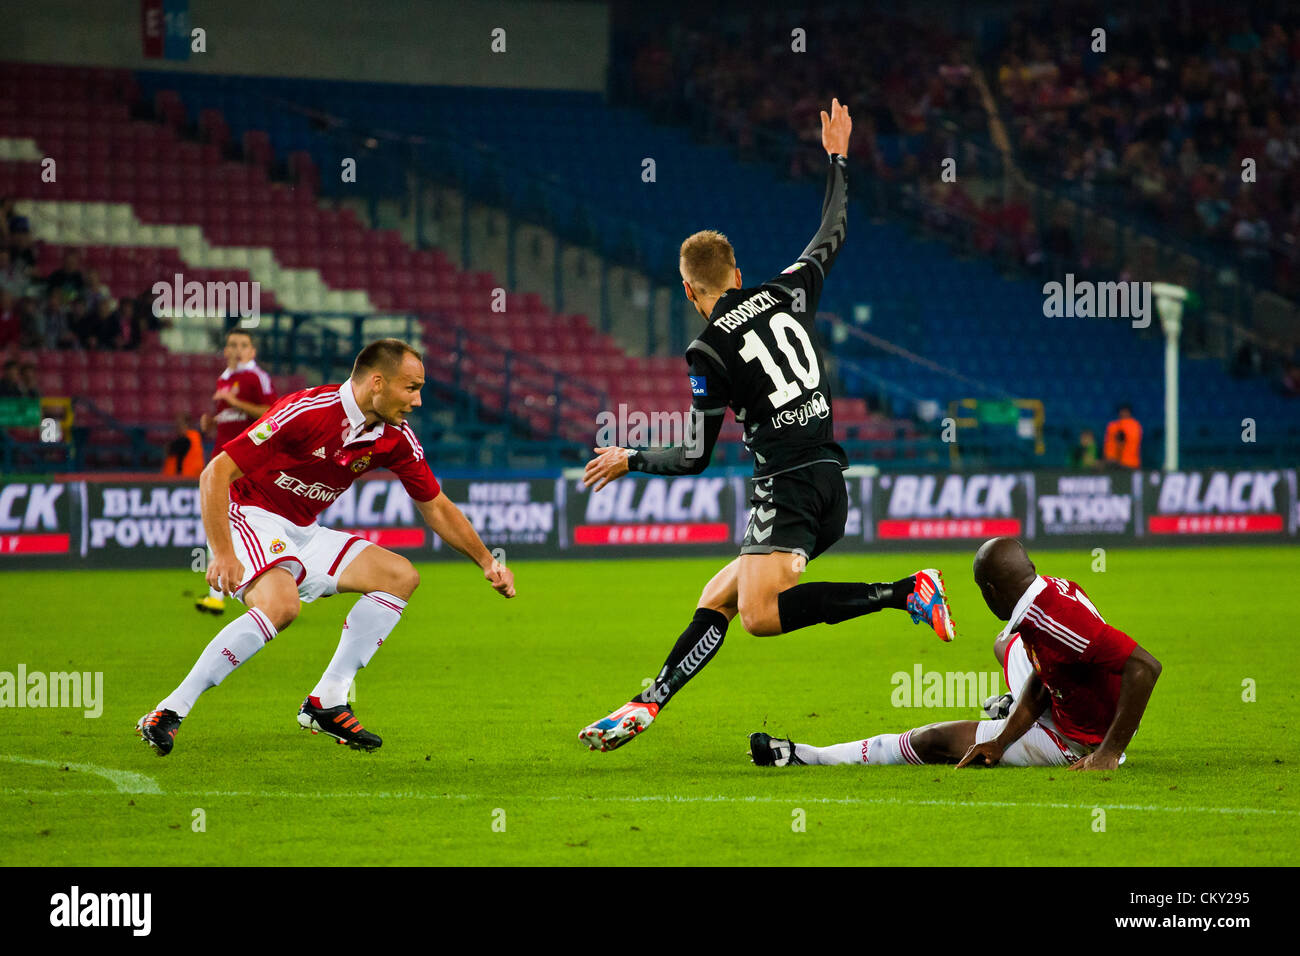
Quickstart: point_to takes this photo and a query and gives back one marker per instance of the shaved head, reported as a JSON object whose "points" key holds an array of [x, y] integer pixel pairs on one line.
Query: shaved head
{"points": [[1003, 571]]}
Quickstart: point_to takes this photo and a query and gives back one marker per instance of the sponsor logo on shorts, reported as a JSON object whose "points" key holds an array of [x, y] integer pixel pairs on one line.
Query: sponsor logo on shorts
{"points": [[277, 546]]}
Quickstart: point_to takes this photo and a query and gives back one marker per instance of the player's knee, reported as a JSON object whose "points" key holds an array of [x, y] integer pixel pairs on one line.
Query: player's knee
{"points": [[928, 744], [406, 580], [282, 609], [760, 618]]}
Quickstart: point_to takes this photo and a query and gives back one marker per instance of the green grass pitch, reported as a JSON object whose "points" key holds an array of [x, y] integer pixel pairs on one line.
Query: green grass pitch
{"points": [[479, 701]]}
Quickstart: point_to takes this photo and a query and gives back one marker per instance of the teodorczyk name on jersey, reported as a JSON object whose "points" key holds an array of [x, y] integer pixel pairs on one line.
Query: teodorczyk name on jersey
{"points": [[735, 318]]}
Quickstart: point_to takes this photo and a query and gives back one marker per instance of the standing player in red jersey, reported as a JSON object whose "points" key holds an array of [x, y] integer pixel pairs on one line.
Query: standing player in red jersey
{"points": [[244, 393], [1084, 685], [260, 499]]}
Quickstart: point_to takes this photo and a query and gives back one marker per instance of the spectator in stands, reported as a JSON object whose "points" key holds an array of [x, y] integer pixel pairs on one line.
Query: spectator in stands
{"points": [[125, 328], [11, 323], [29, 386], [1252, 235], [22, 251], [101, 325], [1247, 361], [56, 332], [11, 382], [1123, 446], [1084, 455], [31, 323], [82, 324], [13, 276], [95, 291], [185, 451], [68, 278], [1291, 380], [1211, 208]]}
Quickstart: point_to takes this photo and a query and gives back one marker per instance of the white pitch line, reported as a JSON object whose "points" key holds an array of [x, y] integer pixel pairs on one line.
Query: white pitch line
{"points": [[668, 798], [124, 780]]}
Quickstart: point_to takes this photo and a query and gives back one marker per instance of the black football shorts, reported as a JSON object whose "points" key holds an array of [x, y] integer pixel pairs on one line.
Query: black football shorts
{"points": [[801, 511]]}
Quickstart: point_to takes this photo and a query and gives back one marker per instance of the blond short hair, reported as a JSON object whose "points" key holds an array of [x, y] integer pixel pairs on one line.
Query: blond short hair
{"points": [[708, 262]]}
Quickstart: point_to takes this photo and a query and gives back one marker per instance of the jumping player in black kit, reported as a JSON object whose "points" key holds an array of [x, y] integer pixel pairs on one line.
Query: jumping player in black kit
{"points": [[759, 355]]}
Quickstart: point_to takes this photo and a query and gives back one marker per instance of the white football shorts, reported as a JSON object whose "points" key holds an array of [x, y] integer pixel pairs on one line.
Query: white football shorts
{"points": [[315, 556]]}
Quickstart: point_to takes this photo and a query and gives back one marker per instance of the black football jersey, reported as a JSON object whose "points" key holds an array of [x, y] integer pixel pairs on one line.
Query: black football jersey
{"points": [[760, 353], [761, 356]]}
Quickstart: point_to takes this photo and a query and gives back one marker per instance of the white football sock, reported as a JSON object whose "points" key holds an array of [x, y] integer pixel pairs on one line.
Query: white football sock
{"points": [[369, 622], [234, 644], [828, 756], [879, 750], [1018, 668]]}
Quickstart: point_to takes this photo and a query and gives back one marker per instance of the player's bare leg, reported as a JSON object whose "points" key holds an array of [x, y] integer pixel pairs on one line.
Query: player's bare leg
{"points": [[272, 602], [761, 579], [385, 582], [942, 743]]}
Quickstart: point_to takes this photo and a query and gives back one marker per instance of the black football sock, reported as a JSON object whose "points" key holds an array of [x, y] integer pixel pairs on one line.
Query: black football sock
{"points": [[830, 602], [695, 648]]}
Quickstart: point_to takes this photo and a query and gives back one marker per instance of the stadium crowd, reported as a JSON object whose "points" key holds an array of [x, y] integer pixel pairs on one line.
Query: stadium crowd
{"points": [[68, 309], [1157, 126]]}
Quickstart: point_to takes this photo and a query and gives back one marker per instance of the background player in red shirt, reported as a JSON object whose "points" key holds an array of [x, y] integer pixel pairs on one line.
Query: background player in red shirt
{"points": [[260, 499], [243, 395], [1084, 685]]}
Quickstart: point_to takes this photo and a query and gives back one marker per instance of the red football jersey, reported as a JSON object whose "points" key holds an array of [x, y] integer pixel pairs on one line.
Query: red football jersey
{"points": [[1078, 656], [250, 384], [312, 445]]}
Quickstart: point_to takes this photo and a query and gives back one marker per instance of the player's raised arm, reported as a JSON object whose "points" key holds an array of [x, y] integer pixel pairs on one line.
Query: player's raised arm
{"points": [[224, 572], [825, 245], [449, 523], [1141, 671]]}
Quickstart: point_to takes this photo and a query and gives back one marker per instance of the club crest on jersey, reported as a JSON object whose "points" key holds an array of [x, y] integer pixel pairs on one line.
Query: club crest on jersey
{"points": [[360, 464], [277, 546], [264, 431], [698, 385]]}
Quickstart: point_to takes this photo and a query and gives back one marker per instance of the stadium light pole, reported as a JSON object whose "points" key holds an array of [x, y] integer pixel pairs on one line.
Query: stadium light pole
{"points": [[1169, 303]]}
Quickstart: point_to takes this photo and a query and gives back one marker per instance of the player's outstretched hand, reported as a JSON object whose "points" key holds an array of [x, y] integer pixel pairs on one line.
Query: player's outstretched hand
{"points": [[986, 754], [836, 128], [1096, 761], [225, 573], [501, 578], [609, 465]]}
